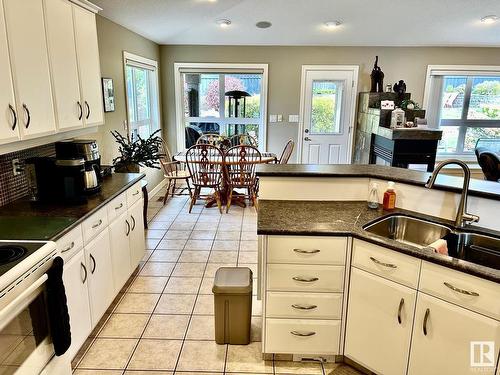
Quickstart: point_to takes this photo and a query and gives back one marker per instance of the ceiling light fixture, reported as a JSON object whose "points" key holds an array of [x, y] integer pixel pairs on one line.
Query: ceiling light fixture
{"points": [[489, 19], [330, 25], [223, 22], [263, 24]]}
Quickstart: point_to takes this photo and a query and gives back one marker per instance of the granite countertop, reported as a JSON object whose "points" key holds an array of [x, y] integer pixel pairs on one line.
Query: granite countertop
{"points": [[409, 133], [479, 188], [50, 221], [347, 218]]}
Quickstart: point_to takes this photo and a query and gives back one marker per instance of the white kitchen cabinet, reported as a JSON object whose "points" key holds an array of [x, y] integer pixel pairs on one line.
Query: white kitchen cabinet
{"points": [[98, 262], [137, 237], [9, 129], [379, 323], [442, 337], [119, 232], [30, 67], [75, 278], [63, 64], [89, 66]]}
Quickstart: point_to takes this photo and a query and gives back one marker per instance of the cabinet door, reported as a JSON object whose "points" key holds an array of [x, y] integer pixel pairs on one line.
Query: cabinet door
{"points": [[119, 232], [75, 278], [63, 64], [30, 67], [444, 346], [98, 260], [137, 240], [379, 323], [88, 65], [9, 129]]}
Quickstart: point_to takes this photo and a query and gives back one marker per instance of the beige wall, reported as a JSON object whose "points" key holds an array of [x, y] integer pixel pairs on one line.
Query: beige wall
{"points": [[285, 64], [113, 40]]}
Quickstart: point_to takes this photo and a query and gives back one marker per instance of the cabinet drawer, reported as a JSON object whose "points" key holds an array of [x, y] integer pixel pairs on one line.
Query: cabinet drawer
{"points": [[395, 266], [117, 207], [94, 225], [134, 193], [294, 336], [306, 250], [304, 305], [313, 278], [69, 245], [469, 291]]}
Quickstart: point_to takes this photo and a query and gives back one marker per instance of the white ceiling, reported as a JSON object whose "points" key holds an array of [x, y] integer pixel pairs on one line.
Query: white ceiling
{"points": [[299, 22]]}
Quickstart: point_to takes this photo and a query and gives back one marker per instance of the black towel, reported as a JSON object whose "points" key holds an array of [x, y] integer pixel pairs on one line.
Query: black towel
{"points": [[58, 308]]}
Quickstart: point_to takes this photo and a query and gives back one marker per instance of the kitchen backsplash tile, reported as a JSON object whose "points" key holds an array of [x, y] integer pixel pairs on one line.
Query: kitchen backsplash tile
{"points": [[15, 187]]}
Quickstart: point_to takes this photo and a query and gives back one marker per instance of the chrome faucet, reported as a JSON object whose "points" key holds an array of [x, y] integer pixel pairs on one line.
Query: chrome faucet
{"points": [[462, 216]]}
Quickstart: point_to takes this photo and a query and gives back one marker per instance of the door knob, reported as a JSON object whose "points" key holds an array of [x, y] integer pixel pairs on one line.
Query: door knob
{"points": [[307, 139]]}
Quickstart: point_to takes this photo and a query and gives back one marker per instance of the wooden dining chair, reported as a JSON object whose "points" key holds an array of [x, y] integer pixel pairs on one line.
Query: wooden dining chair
{"points": [[243, 139], [240, 162], [172, 171], [287, 152], [205, 167]]}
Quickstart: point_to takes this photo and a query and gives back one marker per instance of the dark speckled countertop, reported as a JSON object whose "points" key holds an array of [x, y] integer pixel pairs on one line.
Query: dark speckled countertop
{"points": [[44, 221], [347, 218], [479, 188]]}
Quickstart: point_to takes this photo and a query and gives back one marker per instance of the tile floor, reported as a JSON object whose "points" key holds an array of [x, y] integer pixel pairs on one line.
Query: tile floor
{"points": [[162, 321]]}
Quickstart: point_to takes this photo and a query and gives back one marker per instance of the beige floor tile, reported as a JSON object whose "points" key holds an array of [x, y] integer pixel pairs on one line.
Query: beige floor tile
{"points": [[128, 326], [167, 327], [249, 227], [108, 354], [155, 355], [204, 305], [223, 256], [247, 358], [198, 245], [256, 329], [163, 215], [175, 304], [249, 236], [97, 372], [225, 235], [165, 256], [146, 256], [152, 243], [202, 235], [177, 235], [230, 245], [252, 266], [208, 217], [157, 269], [172, 244], [182, 226], [206, 225], [309, 368], [187, 217], [159, 225], [155, 372], [213, 267], [148, 284], [202, 356], [206, 285], [201, 327], [137, 303], [189, 269], [183, 285], [194, 256], [249, 246], [155, 233], [247, 257], [339, 369]]}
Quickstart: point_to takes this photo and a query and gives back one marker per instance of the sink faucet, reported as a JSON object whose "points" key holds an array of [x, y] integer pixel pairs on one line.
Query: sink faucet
{"points": [[462, 216]]}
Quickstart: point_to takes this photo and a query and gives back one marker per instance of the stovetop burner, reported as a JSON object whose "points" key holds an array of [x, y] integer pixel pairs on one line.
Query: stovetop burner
{"points": [[11, 253]]}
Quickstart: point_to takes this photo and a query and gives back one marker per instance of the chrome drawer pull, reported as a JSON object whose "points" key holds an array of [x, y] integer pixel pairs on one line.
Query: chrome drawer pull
{"points": [[97, 224], [136, 192], [303, 307], [119, 206], [388, 265], [305, 279], [426, 317], [463, 291], [301, 251], [401, 303], [303, 333], [69, 247]]}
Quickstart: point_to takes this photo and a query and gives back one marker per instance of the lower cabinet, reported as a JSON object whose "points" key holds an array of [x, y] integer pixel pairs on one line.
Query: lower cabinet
{"points": [[119, 232], [379, 323], [137, 237], [448, 339]]}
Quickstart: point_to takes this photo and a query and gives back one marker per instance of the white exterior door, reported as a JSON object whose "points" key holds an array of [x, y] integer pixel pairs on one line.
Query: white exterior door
{"points": [[328, 102]]}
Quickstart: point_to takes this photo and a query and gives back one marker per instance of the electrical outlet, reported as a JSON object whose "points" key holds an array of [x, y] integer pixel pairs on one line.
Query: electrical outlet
{"points": [[16, 167], [293, 118]]}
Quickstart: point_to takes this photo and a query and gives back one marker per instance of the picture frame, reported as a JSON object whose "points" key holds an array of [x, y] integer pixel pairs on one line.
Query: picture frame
{"points": [[108, 94]]}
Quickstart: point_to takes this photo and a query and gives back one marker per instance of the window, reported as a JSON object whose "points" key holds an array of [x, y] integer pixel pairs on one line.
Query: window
{"points": [[466, 106], [326, 97], [226, 99], [141, 77]]}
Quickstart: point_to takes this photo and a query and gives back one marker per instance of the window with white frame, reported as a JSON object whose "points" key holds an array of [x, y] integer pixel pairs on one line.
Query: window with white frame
{"points": [[464, 102], [226, 99], [141, 80]]}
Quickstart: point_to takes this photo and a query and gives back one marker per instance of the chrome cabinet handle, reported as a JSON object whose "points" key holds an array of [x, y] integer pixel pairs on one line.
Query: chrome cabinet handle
{"points": [[92, 270], [88, 110], [305, 279], [401, 303], [463, 291], [80, 115], [14, 123], [28, 121], [72, 245], [128, 227], [303, 333], [388, 265], [303, 307], [301, 251], [97, 224], [133, 221], [136, 192], [426, 317], [119, 206], [84, 272]]}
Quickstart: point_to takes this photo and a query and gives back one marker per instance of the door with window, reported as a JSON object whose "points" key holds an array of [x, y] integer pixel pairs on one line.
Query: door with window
{"points": [[328, 100]]}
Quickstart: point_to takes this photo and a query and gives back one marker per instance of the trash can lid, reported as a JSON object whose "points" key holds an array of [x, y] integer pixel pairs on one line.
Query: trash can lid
{"points": [[233, 280]]}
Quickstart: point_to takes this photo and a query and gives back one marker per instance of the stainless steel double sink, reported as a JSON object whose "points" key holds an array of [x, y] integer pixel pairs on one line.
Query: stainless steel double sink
{"points": [[473, 247]]}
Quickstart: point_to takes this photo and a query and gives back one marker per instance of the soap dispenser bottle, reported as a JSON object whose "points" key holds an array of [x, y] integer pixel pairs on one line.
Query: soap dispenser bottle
{"points": [[373, 196], [390, 197]]}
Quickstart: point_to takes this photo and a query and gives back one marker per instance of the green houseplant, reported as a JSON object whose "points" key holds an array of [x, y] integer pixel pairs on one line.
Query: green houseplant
{"points": [[137, 152]]}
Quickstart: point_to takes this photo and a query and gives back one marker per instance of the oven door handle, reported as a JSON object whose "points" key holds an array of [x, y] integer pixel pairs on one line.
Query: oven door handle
{"points": [[17, 305]]}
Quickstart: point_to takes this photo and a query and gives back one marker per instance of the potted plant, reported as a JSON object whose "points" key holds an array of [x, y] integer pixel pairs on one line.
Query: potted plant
{"points": [[137, 152]]}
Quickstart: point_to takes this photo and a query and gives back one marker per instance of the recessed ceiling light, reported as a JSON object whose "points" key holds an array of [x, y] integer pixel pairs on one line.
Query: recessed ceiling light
{"points": [[223, 22], [332, 24], [263, 24], [489, 19]]}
